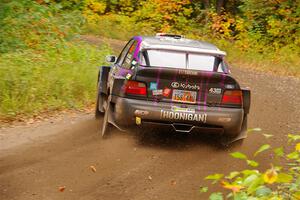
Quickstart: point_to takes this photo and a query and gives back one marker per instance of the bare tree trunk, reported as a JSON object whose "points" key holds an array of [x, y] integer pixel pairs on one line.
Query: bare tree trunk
{"points": [[206, 4], [220, 6]]}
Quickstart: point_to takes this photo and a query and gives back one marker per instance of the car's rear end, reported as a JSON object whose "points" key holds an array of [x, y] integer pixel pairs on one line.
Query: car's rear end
{"points": [[181, 95]]}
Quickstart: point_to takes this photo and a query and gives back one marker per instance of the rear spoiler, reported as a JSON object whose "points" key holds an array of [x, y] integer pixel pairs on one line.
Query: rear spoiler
{"points": [[185, 49]]}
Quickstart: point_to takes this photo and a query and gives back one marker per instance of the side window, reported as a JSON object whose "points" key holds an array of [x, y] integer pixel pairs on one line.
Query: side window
{"points": [[124, 52], [225, 67], [129, 57]]}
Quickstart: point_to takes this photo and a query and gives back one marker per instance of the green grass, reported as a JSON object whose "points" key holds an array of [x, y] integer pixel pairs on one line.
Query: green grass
{"points": [[37, 81]]}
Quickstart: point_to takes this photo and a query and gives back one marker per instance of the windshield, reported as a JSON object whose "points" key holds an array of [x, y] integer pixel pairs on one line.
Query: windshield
{"points": [[181, 60]]}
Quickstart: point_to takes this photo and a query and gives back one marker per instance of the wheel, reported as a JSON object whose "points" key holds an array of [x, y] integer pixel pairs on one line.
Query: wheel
{"points": [[105, 123]]}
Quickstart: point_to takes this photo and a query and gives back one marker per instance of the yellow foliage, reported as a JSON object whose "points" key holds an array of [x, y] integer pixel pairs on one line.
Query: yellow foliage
{"points": [[297, 147], [270, 176], [92, 10]]}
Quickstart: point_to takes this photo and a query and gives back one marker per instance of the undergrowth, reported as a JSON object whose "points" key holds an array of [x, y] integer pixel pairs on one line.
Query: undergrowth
{"points": [[33, 81]]}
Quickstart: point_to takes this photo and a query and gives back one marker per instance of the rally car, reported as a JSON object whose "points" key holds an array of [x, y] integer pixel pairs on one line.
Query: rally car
{"points": [[168, 80]]}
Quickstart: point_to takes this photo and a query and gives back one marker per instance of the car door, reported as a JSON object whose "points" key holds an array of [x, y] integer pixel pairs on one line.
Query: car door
{"points": [[115, 71], [122, 67]]}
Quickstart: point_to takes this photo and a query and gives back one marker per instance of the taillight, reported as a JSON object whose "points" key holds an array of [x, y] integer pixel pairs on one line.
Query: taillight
{"points": [[135, 88], [232, 97]]}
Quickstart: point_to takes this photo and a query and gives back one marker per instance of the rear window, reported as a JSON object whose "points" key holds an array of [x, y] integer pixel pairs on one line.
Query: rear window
{"points": [[201, 62], [180, 60], [159, 58]]}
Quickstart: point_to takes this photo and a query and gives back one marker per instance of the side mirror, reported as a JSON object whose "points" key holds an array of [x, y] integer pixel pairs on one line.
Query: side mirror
{"points": [[111, 59]]}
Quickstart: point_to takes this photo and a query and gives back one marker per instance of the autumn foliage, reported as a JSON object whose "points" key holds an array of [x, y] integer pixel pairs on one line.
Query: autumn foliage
{"points": [[260, 34]]}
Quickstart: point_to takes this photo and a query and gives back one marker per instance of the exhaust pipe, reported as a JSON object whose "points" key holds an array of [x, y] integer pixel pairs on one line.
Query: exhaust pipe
{"points": [[183, 128]]}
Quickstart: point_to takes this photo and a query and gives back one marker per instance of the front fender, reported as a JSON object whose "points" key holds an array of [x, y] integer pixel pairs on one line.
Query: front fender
{"points": [[103, 78]]}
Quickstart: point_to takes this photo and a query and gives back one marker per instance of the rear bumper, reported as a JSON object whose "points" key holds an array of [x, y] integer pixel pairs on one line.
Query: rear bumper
{"points": [[160, 113]]}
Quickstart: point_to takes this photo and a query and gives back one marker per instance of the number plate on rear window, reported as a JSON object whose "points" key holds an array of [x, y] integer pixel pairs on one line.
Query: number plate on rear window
{"points": [[184, 96]]}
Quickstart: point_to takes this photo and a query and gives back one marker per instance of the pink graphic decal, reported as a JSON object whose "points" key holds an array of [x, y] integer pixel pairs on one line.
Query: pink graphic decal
{"points": [[208, 76], [174, 80], [137, 49], [199, 96]]}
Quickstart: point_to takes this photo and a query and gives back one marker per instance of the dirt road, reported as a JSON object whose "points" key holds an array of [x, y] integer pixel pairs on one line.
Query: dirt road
{"points": [[36, 160]]}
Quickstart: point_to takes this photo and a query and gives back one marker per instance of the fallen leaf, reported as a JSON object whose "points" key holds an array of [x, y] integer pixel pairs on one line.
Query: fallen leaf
{"points": [[233, 187], [268, 135], [203, 189], [62, 188], [254, 129], [93, 168], [262, 148]]}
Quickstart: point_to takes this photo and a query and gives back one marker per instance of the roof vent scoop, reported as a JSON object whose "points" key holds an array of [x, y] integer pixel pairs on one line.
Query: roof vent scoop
{"points": [[175, 36]]}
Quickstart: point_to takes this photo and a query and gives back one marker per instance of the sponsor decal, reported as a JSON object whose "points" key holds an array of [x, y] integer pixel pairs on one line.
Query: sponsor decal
{"points": [[229, 86], [131, 49], [138, 120], [185, 86], [157, 92], [175, 85], [224, 119], [215, 90], [153, 86], [141, 112], [183, 116], [167, 92], [133, 64], [128, 76], [180, 109], [187, 72]]}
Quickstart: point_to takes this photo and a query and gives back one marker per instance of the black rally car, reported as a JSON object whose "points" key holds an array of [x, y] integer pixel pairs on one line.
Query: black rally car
{"points": [[171, 81]]}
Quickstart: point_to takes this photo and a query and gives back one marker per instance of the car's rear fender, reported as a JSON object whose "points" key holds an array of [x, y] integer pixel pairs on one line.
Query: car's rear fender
{"points": [[246, 99]]}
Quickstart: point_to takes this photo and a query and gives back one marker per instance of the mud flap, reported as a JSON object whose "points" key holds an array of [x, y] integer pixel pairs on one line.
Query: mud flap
{"points": [[227, 141], [111, 118]]}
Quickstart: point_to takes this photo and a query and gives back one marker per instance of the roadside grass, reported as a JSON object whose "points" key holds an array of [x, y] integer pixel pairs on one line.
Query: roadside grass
{"points": [[35, 81]]}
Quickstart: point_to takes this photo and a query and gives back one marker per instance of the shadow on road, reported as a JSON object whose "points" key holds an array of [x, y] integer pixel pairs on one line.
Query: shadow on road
{"points": [[164, 138]]}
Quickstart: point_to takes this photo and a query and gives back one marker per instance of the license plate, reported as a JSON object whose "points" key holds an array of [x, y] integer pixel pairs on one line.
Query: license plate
{"points": [[180, 109], [184, 96]]}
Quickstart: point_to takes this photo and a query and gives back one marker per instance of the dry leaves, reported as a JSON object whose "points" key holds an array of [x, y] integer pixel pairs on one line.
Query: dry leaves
{"points": [[62, 188], [173, 182], [93, 168]]}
